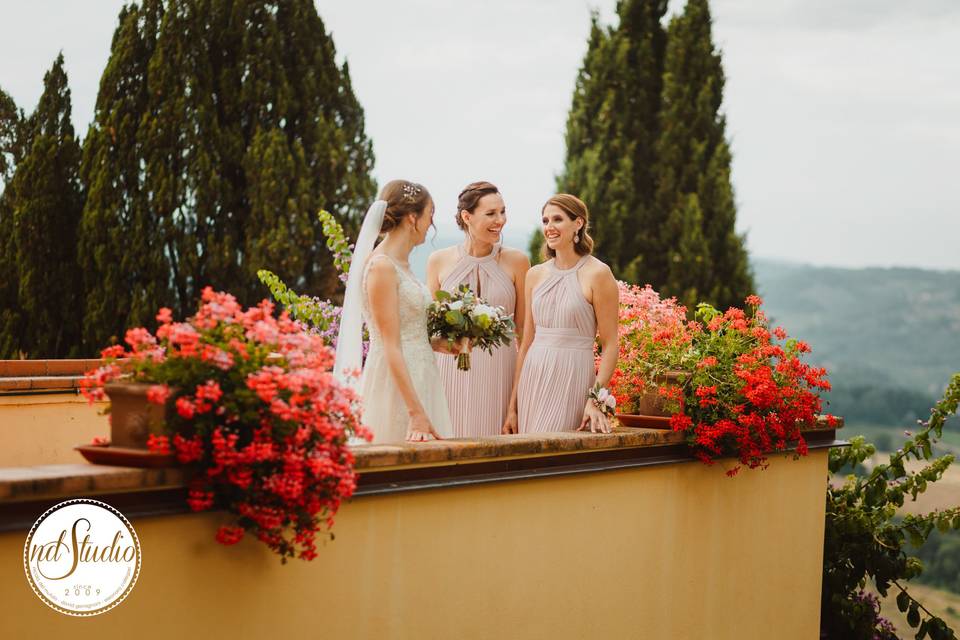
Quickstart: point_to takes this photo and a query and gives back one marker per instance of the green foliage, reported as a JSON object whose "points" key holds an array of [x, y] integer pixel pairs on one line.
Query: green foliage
{"points": [[220, 125], [337, 243], [319, 314], [43, 201], [12, 139], [940, 555], [535, 247], [688, 272], [647, 150], [322, 316], [123, 246], [864, 541], [611, 132], [11, 124], [705, 258]]}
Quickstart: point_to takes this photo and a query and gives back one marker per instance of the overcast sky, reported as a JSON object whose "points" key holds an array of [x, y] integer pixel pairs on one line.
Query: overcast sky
{"points": [[844, 117]]}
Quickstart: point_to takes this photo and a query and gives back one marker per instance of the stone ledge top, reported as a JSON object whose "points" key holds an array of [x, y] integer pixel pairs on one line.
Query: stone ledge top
{"points": [[19, 484], [31, 376]]}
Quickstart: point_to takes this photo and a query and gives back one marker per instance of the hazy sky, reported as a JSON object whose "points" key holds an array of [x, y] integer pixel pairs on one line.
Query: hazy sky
{"points": [[844, 118]]}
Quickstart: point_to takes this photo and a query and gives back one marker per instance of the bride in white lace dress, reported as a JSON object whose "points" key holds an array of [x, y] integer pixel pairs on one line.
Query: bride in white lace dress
{"points": [[400, 385]]}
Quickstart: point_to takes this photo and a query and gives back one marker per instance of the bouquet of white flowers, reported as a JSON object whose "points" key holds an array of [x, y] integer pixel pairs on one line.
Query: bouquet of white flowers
{"points": [[461, 317]]}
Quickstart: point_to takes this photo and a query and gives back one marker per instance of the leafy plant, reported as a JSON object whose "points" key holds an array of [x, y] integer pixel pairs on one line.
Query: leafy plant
{"points": [[864, 542], [747, 395], [322, 315], [251, 404], [655, 337]]}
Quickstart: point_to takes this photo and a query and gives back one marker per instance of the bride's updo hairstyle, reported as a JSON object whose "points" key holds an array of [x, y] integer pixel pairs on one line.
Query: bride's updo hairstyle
{"points": [[403, 198], [469, 198], [575, 208]]}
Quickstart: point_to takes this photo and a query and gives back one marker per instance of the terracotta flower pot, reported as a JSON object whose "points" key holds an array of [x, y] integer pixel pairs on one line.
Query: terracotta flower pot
{"points": [[132, 419], [652, 403]]}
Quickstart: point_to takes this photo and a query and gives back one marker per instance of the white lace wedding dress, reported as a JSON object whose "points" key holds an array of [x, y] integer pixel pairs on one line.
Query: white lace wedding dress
{"points": [[384, 410]]}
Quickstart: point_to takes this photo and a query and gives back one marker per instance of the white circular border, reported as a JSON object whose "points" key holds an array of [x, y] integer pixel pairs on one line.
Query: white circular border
{"points": [[26, 557]]}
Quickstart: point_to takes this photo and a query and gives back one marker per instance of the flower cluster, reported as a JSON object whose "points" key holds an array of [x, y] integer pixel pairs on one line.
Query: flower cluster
{"points": [[461, 317], [605, 401], [251, 403], [747, 395], [655, 338]]}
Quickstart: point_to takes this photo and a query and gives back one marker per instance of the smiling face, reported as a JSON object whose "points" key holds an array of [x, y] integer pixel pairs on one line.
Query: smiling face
{"points": [[487, 219], [558, 228]]}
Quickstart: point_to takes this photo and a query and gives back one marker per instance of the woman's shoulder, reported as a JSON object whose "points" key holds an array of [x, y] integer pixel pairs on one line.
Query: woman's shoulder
{"points": [[537, 271], [514, 255], [593, 267], [440, 256], [380, 266]]}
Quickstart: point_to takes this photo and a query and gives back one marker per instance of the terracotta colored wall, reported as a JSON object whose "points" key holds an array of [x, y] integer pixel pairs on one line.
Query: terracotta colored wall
{"points": [[668, 552], [44, 428]]}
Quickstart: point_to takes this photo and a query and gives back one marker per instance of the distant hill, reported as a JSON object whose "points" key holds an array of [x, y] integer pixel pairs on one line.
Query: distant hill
{"points": [[897, 326], [890, 337]]}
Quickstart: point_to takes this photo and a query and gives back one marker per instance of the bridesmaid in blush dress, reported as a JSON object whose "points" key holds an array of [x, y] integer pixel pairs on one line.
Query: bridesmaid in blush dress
{"points": [[478, 398], [571, 299]]}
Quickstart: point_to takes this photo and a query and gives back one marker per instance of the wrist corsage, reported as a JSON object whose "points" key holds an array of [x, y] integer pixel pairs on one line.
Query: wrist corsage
{"points": [[603, 400]]}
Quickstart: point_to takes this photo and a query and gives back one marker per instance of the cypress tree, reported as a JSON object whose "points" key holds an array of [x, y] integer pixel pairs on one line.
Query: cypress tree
{"points": [[121, 252], [242, 126], [11, 139], [11, 121], [693, 158], [688, 272], [47, 201], [535, 246], [611, 136]]}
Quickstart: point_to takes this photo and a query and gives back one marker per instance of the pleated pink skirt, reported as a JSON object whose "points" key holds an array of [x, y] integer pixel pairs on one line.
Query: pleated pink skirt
{"points": [[478, 398], [557, 374]]}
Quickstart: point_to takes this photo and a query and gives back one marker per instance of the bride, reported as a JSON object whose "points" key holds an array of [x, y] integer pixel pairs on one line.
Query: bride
{"points": [[400, 384]]}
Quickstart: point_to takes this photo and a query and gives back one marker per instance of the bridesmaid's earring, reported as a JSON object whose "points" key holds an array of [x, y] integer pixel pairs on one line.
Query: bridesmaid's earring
{"points": [[576, 238]]}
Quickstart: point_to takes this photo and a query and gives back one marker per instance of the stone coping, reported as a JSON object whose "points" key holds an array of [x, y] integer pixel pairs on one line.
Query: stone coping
{"points": [[18, 484], [31, 376], [43, 368]]}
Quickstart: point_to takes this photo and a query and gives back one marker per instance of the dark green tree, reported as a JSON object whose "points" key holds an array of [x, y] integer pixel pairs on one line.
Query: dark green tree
{"points": [[535, 246], [693, 158], [11, 122], [688, 272], [11, 139], [122, 249], [46, 200], [229, 125], [611, 133]]}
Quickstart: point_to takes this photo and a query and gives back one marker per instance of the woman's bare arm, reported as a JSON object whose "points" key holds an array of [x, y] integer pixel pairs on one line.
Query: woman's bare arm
{"points": [[382, 288]]}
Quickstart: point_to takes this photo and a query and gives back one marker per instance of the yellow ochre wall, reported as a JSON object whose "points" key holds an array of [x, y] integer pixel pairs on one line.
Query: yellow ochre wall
{"points": [[675, 551], [43, 428]]}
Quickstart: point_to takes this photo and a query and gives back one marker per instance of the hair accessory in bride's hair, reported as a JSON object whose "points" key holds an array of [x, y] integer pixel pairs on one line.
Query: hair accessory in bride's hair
{"points": [[410, 192]]}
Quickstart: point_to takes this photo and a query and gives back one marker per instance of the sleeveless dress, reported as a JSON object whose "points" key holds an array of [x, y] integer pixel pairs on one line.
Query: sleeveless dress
{"points": [[558, 370], [384, 410], [478, 398]]}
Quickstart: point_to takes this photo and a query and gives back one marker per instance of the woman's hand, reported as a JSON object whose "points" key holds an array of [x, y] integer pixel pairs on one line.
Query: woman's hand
{"points": [[593, 417], [421, 429], [510, 424], [442, 345]]}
